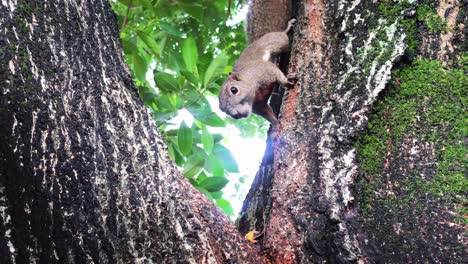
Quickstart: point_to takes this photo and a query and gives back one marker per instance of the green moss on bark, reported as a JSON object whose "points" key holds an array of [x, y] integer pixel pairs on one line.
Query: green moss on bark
{"points": [[434, 22], [424, 14], [426, 102]]}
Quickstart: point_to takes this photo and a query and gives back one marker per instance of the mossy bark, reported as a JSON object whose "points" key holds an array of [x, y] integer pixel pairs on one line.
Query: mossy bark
{"points": [[337, 187]]}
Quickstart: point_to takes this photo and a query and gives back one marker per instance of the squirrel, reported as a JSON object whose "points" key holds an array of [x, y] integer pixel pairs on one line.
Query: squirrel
{"points": [[251, 83]]}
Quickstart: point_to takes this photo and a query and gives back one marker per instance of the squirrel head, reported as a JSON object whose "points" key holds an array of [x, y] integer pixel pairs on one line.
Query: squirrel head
{"points": [[236, 96]]}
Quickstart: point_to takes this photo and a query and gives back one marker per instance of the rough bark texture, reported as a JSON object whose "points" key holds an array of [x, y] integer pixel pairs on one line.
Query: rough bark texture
{"points": [[413, 193], [84, 175], [304, 197]]}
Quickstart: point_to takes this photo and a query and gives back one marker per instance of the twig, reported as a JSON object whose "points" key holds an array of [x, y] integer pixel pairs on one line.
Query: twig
{"points": [[124, 22], [196, 100], [228, 12]]}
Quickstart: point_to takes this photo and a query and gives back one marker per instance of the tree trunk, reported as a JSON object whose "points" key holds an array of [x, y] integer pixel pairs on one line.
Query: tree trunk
{"points": [[84, 175], [330, 191]]}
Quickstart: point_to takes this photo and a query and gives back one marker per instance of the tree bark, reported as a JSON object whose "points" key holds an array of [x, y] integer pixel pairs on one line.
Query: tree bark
{"points": [[84, 175], [305, 198]]}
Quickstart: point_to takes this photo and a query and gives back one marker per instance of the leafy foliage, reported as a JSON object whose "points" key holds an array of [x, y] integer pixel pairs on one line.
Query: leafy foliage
{"points": [[179, 52]]}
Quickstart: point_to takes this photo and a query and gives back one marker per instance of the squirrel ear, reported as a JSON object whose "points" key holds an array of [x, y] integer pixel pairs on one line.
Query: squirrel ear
{"points": [[233, 76]]}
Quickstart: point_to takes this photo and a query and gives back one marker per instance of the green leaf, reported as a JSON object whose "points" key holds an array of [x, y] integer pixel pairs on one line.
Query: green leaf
{"points": [[174, 154], [207, 116], [201, 176], [161, 4], [225, 206], [217, 138], [171, 133], [205, 192], [131, 3], [129, 47], [176, 62], [193, 166], [217, 195], [166, 82], [207, 140], [150, 43], [194, 10], [200, 152], [212, 119], [140, 67], [148, 97], [190, 54], [214, 166], [171, 151], [184, 139], [148, 6], [226, 157], [213, 87], [162, 44], [172, 98], [215, 68], [164, 103], [190, 76], [214, 184], [171, 30], [179, 103]]}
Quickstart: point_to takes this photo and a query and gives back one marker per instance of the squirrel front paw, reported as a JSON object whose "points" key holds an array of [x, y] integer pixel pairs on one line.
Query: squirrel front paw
{"points": [[292, 79], [292, 76]]}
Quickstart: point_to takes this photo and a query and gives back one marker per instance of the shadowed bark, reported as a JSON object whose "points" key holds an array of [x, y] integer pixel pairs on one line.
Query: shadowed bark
{"points": [[84, 175]]}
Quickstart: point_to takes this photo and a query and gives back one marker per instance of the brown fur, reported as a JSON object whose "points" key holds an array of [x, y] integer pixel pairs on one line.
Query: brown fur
{"points": [[250, 85]]}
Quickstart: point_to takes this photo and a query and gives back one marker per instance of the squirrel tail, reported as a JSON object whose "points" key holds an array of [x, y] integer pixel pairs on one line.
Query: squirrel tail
{"points": [[290, 25]]}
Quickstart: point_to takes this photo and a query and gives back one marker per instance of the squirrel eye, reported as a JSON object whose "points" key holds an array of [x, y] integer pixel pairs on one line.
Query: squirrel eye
{"points": [[234, 90]]}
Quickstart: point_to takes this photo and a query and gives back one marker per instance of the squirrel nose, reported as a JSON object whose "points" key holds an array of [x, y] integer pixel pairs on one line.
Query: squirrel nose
{"points": [[240, 115]]}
